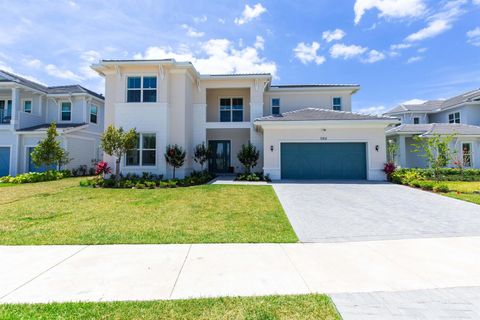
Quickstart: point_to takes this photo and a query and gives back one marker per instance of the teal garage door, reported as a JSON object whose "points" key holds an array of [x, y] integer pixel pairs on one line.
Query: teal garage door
{"points": [[323, 161], [4, 161]]}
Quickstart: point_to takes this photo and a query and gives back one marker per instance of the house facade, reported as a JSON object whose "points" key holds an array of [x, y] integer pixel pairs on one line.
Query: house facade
{"points": [[26, 111], [301, 131], [458, 116]]}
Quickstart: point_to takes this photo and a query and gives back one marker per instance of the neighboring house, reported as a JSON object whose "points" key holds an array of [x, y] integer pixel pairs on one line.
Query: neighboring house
{"points": [[26, 111], [458, 116], [301, 131]]}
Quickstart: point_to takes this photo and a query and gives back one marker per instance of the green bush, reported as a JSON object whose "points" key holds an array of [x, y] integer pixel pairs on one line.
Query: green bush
{"points": [[441, 188], [32, 177], [406, 176], [147, 181], [258, 176]]}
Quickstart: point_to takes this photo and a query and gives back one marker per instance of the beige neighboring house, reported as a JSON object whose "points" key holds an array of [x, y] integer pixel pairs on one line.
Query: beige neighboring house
{"points": [[302, 131]]}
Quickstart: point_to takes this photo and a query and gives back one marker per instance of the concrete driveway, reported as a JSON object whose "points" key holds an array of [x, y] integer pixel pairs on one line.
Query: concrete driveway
{"points": [[356, 211]]}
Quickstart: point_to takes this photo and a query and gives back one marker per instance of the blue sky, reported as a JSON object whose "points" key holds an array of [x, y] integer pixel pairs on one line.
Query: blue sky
{"points": [[397, 50]]}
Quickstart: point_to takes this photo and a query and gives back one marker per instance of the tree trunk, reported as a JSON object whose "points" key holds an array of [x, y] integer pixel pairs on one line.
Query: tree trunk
{"points": [[117, 168], [173, 172]]}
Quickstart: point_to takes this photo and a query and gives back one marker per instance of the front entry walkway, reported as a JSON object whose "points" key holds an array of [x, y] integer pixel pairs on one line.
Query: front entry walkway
{"points": [[31, 274], [339, 211]]}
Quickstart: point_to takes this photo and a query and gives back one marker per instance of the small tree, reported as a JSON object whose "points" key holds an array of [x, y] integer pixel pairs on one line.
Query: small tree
{"points": [[248, 156], [175, 156], [392, 150], [436, 149], [48, 151], [116, 142], [202, 154]]}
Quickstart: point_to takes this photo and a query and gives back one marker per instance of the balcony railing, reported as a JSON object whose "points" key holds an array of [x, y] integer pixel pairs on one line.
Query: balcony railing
{"points": [[5, 117]]}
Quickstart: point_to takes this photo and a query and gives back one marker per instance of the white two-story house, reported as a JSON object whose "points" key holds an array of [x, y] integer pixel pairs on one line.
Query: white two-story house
{"points": [[26, 111], [301, 131], [458, 116]]}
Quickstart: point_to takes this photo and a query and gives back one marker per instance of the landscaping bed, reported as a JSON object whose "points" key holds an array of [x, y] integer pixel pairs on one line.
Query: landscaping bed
{"points": [[62, 212], [261, 308]]}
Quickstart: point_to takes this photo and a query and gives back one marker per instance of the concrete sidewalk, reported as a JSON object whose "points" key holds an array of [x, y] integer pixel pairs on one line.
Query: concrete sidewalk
{"points": [[149, 272]]}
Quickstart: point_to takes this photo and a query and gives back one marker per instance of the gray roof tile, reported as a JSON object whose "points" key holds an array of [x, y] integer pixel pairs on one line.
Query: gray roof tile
{"points": [[439, 128], [316, 114]]}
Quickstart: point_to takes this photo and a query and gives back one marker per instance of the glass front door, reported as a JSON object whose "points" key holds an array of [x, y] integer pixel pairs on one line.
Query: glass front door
{"points": [[220, 161]]}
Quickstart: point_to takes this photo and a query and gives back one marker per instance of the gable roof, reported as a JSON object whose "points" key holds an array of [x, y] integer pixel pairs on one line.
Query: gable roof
{"points": [[60, 126], [435, 128], [63, 90], [317, 114], [437, 105]]}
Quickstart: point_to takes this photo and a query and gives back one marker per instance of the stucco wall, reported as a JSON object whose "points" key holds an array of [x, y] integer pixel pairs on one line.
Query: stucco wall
{"points": [[294, 100], [372, 136], [213, 102]]}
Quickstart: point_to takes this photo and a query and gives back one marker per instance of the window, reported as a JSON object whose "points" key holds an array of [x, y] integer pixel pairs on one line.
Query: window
{"points": [[454, 117], [145, 152], [231, 109], [66, 111], [416, 120], [93, 113], [142, 89], [337, 103], [275, 106], [467, 154], [27, 106]]}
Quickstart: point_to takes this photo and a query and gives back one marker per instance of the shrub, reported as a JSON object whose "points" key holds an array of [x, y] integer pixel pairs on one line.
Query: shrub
{"points": [[258, 176], [404, 176], [32, 177], [389, 168], [248, 156], [441, 188], [175, 156], [102, 168]]}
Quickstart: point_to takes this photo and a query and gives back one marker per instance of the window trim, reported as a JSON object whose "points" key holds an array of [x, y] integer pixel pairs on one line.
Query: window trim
{"points": [[60, 111], [231, 108], [454, 118], [272, 106], [140, 149], [31, 106], [90, 114], [341, 103], [471, 153], [148, 75]]}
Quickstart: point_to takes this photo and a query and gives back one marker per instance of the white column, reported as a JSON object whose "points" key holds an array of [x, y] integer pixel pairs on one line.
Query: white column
{"points": [[402, 152], [256, 137], [199, 126], [15, 107]]}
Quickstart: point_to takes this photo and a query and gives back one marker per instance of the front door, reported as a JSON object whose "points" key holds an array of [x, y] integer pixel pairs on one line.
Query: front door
{"points": [[220, 161]]}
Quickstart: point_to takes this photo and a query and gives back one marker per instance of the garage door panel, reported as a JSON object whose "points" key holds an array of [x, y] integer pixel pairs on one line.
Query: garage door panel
{"points": [[4, 161], [323, 161]]}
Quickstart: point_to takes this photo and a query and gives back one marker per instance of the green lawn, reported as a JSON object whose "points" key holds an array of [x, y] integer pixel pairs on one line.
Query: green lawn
{"points": [[61, 212], [262, 308], [463, 190], [4, 184]]}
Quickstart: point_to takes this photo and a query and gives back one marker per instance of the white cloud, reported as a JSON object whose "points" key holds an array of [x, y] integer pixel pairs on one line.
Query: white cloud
{"points": [[88, 58], [400, 46], [422, 50], [192, 32], [414, 101], [474, 36], [390, 8], [308, 53], [346, 52], [220, 20], [259, 43], [217, 56], [33, 63], [415, 59], [372, 110], [200, 19], [250, 13], [332, 35], [374, 56], [439, 22], [476, 2], [55, 71]]}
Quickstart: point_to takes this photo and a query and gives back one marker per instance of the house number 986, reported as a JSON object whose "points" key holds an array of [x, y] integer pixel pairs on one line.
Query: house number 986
{"points": [[323, 138]]}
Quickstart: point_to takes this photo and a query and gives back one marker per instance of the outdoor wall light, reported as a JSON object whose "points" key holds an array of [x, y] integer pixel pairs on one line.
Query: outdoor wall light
{"points": [[271, 148], [377, 147]]}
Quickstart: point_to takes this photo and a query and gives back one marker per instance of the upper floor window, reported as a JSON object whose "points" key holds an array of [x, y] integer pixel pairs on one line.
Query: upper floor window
{"points": [[454, 117], [144, 154], [66, 111], [27, 106], [275, 106], [416, 120], [337, 103], [231, 109], [142, 89], [93, 113], [5, 111]]}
